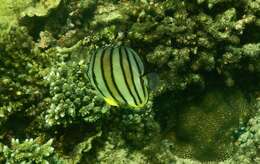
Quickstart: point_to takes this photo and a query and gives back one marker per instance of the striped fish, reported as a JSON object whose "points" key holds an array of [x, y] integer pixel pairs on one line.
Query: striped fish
{"points": [[117, 75]]}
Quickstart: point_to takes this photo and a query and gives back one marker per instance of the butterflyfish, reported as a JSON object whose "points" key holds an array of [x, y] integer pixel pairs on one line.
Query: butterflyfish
{"points": [[117, 74]]}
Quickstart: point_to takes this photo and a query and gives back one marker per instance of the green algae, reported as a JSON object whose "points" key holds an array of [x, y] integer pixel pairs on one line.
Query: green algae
{"points": [[198, 48]]}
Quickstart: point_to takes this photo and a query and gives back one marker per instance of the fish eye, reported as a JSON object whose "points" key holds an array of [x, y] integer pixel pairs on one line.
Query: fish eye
{"points": [[141, 78]]}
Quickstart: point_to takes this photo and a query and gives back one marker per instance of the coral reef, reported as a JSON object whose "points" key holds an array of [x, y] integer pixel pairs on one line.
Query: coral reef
{"points": [[217, 114], [70, 97], [21, 73], [29, 150], [206, 106]]}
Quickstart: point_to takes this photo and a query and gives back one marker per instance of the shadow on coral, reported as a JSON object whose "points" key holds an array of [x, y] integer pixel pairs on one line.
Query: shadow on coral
{"points": [[15, 127]]}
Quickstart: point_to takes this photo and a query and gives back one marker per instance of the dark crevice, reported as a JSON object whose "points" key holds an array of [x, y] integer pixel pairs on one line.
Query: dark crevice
{"points": [[70, 136], [16, 126], [251, 34], [37, 24]]}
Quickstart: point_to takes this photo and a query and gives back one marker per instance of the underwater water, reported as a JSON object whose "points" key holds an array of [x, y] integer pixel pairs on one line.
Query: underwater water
{"points": [[201, 57]]}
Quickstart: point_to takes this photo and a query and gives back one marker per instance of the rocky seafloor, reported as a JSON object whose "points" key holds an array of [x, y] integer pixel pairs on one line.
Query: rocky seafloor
{"points": [[205, 109]]}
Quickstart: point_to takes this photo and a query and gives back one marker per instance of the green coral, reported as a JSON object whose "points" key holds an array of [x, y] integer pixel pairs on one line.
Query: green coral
{"points": [[114, 151], [39, 8], [217, 114], [29, 151], [20, 83], [249, 141], [71, 97]]}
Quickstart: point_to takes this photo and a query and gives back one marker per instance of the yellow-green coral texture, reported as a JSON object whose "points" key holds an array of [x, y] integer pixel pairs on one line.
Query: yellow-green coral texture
{"points": [[206, 106]]}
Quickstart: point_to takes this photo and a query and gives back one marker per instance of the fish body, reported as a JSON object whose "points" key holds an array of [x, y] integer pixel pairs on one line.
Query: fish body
{"points": [[117, 73]]}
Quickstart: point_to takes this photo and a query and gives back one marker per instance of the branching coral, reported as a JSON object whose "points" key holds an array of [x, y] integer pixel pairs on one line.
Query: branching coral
{"points": [[71, 96], [28, 151], [21, 82]]}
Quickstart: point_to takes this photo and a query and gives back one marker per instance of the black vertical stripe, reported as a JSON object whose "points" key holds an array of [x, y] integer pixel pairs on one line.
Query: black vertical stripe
{"points": [[132, 76], [139, 70], [122, 68], [90, 64], [112, 75], [137, 61], [103, 72], [93, 72]]}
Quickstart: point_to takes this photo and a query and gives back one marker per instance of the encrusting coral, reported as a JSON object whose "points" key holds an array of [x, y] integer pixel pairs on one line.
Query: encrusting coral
{"points": [[206, 53]]}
